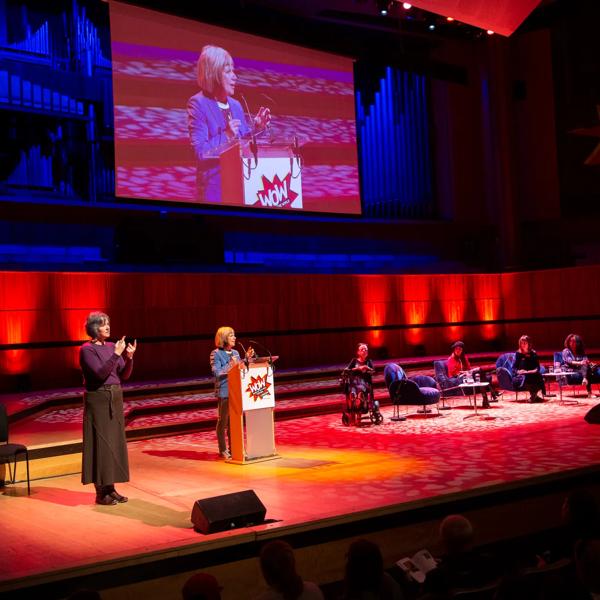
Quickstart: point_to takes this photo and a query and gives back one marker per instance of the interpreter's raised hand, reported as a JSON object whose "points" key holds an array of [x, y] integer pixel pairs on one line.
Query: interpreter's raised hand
{"points": [[130, 350], [120, 346]]}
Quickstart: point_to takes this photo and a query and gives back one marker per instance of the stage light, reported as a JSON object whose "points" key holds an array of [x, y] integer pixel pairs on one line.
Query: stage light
{"points": [[450, 19], [383, 6], [406, 5], [490, 32], [432, 27]]}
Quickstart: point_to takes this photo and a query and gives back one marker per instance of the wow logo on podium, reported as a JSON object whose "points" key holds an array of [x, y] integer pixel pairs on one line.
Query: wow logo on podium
{"points": [[258, 387]]}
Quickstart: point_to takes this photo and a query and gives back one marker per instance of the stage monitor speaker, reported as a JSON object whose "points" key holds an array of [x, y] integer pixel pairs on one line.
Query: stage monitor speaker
{"points": [[593, 415], [228, 511]]}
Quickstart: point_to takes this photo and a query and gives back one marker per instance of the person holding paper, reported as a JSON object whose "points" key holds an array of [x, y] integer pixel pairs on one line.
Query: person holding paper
{"points": [[216, 119]]}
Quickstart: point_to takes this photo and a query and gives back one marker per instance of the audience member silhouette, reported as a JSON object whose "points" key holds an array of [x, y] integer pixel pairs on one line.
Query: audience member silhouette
{"points": [[201, 586], [460, 566], [278, 566], [587, 562], [365, 578]]}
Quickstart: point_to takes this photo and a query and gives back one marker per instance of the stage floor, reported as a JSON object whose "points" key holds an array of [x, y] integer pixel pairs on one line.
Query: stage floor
{"points": [[326, 472]]}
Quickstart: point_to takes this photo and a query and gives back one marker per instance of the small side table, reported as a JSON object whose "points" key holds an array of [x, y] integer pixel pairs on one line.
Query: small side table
{"points": [[472, 389], [556, 375]]}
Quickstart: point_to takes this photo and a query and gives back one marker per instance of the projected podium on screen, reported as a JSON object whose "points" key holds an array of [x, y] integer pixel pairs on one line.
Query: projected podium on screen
{"points": [[211, 116], [264, 175]]}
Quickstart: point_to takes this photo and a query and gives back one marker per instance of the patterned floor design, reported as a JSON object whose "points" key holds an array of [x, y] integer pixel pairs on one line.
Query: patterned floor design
{"points": [[326, 471]]}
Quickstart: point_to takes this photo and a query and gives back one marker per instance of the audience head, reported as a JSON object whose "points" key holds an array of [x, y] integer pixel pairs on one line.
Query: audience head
{"points": [[580, 514], [574, 343], [456, 533], [525, 344], [278, 567], [458, 348], [587, 561], [201, 586], [364, 567]]}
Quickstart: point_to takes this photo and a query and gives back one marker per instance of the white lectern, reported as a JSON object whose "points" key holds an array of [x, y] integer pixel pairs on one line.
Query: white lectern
{"points": [[251, 411]]}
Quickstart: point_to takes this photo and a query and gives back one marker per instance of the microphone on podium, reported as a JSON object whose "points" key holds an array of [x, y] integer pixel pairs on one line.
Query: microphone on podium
{"points": [[246, 361], [264, 348]]}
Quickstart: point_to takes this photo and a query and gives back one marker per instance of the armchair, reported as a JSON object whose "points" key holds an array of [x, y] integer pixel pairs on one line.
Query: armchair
{"points": [[417, 391]]}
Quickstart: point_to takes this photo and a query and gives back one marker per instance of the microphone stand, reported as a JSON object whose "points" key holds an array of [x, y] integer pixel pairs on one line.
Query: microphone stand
{"points": [[246, 361], [264, 348], [253, 146]]}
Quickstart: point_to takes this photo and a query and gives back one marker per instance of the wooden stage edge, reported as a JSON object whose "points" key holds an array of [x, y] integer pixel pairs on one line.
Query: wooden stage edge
{"points": [[513, 510]]}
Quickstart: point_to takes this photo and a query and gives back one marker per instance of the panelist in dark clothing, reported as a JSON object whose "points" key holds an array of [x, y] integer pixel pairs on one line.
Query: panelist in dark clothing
{"points": [[526, 370], [575, 358], [104, 365]]}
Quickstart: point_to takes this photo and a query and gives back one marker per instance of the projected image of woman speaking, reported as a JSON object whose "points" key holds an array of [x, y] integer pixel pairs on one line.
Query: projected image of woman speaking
{"points": [[216, 119]]}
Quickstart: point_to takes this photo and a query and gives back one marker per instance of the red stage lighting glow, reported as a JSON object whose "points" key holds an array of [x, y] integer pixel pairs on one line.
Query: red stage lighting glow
{"points": [[488, 302], [374, 294], [417, 303], [453, 299]]}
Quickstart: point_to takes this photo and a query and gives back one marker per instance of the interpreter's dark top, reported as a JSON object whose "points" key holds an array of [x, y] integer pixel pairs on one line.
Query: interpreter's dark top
{"points": [[101, 366]]}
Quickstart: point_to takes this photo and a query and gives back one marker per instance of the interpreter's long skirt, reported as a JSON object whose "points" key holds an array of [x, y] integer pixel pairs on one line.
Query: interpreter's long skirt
{"points": [[105, 458]]}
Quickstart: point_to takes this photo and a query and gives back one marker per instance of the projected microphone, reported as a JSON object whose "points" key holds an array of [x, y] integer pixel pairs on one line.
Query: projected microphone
{"points": [[253, 146], [264, 348]]}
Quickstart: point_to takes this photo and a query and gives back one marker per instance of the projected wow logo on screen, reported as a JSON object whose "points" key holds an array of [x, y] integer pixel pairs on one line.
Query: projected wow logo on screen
{"points": [[276, 193]]}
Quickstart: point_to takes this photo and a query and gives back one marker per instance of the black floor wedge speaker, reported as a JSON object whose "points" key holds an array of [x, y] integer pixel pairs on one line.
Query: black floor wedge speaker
{"points": [[593, 415], [228, 511]]}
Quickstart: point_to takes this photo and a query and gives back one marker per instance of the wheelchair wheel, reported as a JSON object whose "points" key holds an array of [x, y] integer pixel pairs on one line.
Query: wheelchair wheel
{"points": [[376, 417]]}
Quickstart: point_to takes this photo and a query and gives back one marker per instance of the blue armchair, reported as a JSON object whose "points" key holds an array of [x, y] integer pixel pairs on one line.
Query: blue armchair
{"points": [[416, 391], [447, 386], [504, 370]]}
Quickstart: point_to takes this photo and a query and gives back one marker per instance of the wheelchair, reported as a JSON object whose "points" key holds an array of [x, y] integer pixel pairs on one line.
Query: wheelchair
{"points": [[359, 399]]}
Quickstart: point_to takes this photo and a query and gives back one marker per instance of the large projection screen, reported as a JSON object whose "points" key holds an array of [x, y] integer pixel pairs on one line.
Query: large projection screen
{"points": [[174, 141]]}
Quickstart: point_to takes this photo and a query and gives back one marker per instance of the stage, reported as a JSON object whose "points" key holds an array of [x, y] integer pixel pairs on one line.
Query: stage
{"points": [[331, 484]]}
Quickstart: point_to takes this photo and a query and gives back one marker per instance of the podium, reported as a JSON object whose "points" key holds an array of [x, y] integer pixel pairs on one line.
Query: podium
{"points": [[262, 174], [251, 411]]}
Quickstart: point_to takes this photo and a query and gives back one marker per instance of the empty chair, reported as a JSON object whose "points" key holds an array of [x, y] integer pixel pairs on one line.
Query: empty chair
{"points": [[408, 392], [11, 452]]}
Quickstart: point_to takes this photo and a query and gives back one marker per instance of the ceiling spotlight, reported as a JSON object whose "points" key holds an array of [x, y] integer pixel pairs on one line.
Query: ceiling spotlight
{"points": [[406, 5], [490, 32], [450, 19], [383, 6], [432, 27]]}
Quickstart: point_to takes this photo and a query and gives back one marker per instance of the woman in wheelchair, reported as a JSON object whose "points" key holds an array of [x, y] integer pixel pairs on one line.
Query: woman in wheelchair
{"points": [[358, 386]]}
